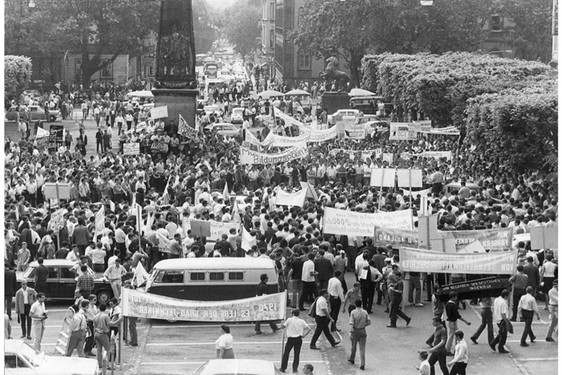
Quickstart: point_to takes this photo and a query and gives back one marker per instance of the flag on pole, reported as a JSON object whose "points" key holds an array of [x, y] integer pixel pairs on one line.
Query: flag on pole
{"points": [[236, 213], [184, 129], [247, 240]]}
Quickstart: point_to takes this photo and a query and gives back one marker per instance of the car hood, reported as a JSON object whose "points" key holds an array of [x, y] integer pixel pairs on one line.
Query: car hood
{"points": [[69, 366]]}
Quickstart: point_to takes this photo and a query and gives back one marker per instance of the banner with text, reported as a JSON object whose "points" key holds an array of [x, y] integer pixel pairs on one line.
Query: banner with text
{"points": [[152, 306], [323, 134], [275, 140], [359, 224], [251, 157], [401, 131], [291, 199], [131, 148], [396, 237], [493, 263], [219, 228], [491, 239]]}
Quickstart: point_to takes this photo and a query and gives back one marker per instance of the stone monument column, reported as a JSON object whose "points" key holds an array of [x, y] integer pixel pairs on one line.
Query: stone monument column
{"points": [[175, 83]]}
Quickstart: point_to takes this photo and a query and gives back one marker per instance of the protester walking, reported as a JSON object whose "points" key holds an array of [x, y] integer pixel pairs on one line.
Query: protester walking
{"points": [[460, 359], [501, 310], [358, 320], [224, 344], [438, 353], [322, 317], [9, 289], [38, 316], [519, 282], [553, 308], [78, 326], [453, 315], [296, 330], [101, 334], [335, 289], [395, 293], [25, 297], [527, 308], [263, 289], [487, 320]]}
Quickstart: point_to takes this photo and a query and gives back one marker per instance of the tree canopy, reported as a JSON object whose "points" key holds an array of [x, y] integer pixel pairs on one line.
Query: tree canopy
{"points": [[241, 25], [90, 28], [17, 75]]}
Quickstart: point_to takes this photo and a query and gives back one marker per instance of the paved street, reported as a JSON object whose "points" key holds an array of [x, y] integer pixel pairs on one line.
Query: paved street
{"points": [[181, 347]]}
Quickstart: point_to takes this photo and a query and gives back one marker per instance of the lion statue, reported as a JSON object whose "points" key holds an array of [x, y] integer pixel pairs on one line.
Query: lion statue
{"points": [[332, 73]]}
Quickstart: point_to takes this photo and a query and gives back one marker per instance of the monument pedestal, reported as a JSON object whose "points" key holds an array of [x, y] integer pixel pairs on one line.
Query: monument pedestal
{"points": [[179, 101], [332, 101]]}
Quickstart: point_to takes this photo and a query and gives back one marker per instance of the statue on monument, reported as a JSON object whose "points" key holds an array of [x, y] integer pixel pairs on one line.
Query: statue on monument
{"points": [[332, 73], [175, 57]]}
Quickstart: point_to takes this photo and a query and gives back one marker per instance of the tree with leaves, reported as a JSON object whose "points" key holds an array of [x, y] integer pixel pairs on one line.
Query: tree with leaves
{"points": [[241, 25], [90, 28], [17, 75]]}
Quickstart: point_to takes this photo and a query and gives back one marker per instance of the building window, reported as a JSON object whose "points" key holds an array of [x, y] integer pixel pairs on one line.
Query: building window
{"points": [[272, 11], [496, 23], [303, 60]]}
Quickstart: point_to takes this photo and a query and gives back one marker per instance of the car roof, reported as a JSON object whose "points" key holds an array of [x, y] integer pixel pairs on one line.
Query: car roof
{"points": [[215, 263], [233, 366], [54, 262], [13, 346]]}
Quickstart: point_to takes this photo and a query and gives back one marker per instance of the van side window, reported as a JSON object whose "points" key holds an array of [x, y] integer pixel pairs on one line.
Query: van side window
{"points": [[197, 276], [216, 275], [236, 276], [172, 277]]}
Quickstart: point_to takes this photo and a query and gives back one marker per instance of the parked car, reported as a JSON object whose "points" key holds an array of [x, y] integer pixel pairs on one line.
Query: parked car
{"points": [[21, 359], [237, 115], [61, 282], [365, 119], [343, 114], [35, 112], [237, 367], [224, 129]]}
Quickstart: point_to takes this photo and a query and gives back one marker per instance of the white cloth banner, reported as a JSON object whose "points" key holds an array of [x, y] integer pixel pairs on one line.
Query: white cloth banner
{"points": [[434, 154], [275, 140], [360, 224], [251, 138], [251, 157], [247, 240], [153, 306], [219, 228], [494, 263], [291, 199], [288, 119], [323, 134]]}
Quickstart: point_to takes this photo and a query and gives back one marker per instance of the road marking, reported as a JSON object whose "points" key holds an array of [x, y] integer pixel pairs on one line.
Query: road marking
{"points": [[208, 326], [537, 359], [213, 343], [520, 341], [169, 363]]}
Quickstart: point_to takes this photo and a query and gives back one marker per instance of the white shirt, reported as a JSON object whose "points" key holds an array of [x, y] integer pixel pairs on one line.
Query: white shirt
{"points": [[321, 305], [225, 341], [295, 326], [335, 288], [499, 307], [307, 271]]}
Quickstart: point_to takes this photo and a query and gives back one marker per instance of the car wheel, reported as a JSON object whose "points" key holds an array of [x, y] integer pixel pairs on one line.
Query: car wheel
{"points": [[104, 296]]}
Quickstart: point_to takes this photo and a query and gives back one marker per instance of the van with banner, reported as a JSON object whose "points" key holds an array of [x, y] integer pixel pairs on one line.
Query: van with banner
{"points": [[211, 279]]}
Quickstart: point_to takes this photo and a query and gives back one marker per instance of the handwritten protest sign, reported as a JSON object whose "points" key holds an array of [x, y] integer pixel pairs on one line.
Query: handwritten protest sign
{"points": [[131, 148], [248, 156], [352, 223]]}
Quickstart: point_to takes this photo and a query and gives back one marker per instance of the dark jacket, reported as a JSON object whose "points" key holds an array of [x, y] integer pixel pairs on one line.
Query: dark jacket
{"points": [[324, 268], [262, 289], [10, 283]]}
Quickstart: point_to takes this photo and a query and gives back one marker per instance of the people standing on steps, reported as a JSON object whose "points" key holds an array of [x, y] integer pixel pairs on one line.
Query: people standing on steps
{"points": [[526, 309], [500, 310]]}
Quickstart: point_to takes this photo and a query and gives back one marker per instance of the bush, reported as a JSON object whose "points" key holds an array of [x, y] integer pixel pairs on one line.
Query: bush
{"points": [[17, 75]]}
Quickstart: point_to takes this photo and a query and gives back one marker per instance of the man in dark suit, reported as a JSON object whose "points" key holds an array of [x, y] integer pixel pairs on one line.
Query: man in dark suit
{"points": [[270, 233], [9, 288], [325, 269], [532, 272]]}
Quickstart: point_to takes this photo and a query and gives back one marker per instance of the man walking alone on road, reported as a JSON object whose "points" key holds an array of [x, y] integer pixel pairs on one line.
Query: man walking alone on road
{"points": [[527, 308], [297, 329], [261, 290], [501, 311], [358, 320], [453, 316]]}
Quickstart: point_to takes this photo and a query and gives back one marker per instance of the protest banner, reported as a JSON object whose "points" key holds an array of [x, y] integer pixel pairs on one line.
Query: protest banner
{"points": [[422, 126], [493, 263], [544, 237], [434, 154], [42, 133], [200, 228], [310, 192], [291, 199], [323, 134], [248, 156], [184, 128], [488, 287], [409, 178], [400, 131], [360, 224], [56, 137], [490, 239], [56, 190], [153, 306], [163, 243], [57, 219], [396, 237], [383, 177], [388, 157], [289, 120], [159, 112], [131, 148], [219, 228], [275, 140], [251, 138], [354, 131]]}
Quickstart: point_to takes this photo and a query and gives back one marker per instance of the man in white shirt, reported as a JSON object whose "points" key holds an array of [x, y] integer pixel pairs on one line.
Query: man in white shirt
{"points": [[297, 329], [500, 310], [308, 281], [322, 319], [527, 308], [460, 360], [335, 289], [38, 315]]}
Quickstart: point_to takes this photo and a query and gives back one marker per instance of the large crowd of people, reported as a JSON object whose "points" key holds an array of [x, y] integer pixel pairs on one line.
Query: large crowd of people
{"points": [[179, 177]]}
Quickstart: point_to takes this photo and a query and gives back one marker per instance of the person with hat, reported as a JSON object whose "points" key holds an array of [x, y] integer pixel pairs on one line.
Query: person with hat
{"points": [[262, 289]]}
